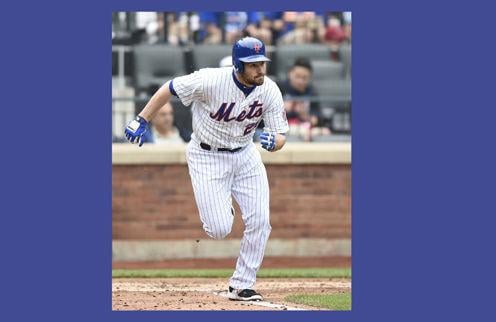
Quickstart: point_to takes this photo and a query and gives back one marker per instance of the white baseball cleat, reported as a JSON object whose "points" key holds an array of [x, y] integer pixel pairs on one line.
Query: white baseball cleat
{"points": [[243, 295]]}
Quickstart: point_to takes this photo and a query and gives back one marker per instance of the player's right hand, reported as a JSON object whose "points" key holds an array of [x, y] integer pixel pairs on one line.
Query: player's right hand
{"points": [[135, 129]]}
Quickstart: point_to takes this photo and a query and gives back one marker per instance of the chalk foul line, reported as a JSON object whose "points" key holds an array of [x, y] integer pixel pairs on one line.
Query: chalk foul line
{"points": [[265, 303]]}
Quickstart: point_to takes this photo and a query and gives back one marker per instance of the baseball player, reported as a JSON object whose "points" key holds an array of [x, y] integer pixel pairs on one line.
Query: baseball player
{"points": [[227, 105]]}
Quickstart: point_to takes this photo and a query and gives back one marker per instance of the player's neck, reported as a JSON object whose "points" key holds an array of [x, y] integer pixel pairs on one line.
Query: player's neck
{"points": [[246, 89]]}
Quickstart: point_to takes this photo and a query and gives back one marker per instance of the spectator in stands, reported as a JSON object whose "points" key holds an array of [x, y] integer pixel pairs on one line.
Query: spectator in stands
{"points": [[148, 27], [235, 24], [304, 27], [259, 28], [344, 18], [241, 24], [178, 28], [163, 129], [213, 34], [209, 31], [303, 113], [335, 33], [272, 21]]}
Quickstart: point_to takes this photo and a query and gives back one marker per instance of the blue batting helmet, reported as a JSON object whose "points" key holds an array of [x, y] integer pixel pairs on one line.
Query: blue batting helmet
{"points": [[247, 50]]}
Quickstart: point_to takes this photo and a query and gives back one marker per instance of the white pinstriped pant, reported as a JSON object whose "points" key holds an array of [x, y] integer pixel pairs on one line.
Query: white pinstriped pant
{"points": [[216, 176]]}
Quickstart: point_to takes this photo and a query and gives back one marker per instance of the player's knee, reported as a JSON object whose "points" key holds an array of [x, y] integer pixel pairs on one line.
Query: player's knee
{"points": [[218, 232]]}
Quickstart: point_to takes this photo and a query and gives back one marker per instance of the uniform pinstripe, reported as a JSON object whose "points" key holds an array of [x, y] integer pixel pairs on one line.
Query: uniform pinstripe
{"points": [[223, 117]]}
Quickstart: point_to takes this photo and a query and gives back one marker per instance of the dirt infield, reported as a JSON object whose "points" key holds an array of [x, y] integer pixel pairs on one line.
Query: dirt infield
{"points": [[196, 294]]}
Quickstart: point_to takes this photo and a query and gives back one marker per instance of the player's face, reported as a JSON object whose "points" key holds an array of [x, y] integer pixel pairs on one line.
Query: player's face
{"points": [[165, 117], [299, 77], [253, 73]]}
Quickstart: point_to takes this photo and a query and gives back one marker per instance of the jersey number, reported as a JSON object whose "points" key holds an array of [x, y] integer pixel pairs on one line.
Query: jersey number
{"points": [[250, 128]]}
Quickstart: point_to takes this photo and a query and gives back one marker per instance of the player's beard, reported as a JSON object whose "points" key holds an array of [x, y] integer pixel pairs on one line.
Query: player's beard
{"points": [[255, 80]]}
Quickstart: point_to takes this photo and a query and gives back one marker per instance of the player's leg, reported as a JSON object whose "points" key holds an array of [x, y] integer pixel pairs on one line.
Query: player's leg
{"points": [[211, 177], [251, 191]]}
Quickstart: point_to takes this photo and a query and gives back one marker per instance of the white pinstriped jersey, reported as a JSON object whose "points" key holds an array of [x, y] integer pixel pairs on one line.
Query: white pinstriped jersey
{"points": [[223, 116]]}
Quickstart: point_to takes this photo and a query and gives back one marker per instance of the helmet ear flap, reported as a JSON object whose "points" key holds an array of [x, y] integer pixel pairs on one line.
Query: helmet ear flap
{"points": [[239, 66]]}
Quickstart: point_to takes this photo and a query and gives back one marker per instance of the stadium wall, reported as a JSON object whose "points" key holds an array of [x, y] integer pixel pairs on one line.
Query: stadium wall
{"points": [[154, 216]]}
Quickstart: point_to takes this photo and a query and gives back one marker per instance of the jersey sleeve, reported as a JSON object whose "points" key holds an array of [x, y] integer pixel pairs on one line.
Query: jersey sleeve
{"points": [[275, 116], [188, 88]]}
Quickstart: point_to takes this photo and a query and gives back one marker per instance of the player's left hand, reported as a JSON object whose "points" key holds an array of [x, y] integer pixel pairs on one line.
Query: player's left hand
{"points": [[135, 130], [268, 141]]}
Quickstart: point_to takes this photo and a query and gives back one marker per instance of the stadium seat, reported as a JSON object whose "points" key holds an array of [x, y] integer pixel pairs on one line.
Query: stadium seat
{"points": [[336, 104], [324, 70], [156, 64], [285, 55], [341, 121], [334, 92], [209, 55]]}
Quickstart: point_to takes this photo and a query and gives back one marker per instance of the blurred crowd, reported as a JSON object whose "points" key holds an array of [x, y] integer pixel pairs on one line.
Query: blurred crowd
{"points": [[305, 115], [184, 28]]}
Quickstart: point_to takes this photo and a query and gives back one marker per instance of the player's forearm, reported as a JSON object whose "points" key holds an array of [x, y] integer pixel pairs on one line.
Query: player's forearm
{"points": [[159, 99], [280, 140]]}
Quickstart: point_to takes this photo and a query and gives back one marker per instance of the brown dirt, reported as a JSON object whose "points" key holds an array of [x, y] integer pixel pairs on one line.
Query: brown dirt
{"points": [[197, 294]]}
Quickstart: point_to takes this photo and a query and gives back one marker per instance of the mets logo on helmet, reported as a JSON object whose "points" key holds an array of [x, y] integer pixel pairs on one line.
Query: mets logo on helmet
{"points": [[256, 47]]}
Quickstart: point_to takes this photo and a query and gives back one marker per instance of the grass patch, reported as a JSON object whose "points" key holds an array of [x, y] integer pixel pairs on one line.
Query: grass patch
{"points": [[151, 273], [268, 272], [337, 302]]}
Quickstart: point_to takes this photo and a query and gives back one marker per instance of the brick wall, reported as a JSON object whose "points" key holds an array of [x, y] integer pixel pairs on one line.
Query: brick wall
{"points": [[151, 202]]}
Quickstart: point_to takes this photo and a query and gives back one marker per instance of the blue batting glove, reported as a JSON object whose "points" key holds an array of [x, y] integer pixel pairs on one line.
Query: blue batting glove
{"points": [[135, 129], [268, 141]]}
